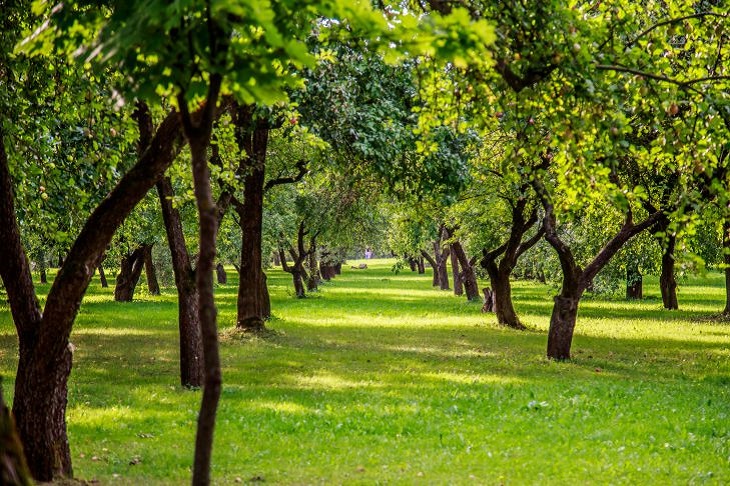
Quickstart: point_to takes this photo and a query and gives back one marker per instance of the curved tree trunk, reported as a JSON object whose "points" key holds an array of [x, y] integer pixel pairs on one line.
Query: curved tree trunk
{"points": [[153, 286], [39, 403], [467, 275], [191, 343], [503, 307], [129, 273], [102, 277]]}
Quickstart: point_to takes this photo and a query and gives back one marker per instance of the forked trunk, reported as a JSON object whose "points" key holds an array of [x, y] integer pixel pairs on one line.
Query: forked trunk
{"points": [[153, 286], [421, 266], [129, 273]]}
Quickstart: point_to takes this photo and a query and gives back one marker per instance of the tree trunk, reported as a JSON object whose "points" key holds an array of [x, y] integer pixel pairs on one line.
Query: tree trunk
{"points": [[42, 268], [191, 344], [13, 466], [435, 281], [412, 263], [667, 281], [562, 325], [314, 277], [458, 285], [252, 141], [298, 284], [198, 132], [467, 275], [488, 300], [503, 306], [634, 282], [726, 260], [102, 277], [129, 273], [220, 273], [265, 299], [421, 266], [153, 285], [44, 364], [277, 261]]}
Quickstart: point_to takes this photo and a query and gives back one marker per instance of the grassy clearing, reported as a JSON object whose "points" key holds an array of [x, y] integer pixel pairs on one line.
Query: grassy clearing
{"points": [[381, 379]]}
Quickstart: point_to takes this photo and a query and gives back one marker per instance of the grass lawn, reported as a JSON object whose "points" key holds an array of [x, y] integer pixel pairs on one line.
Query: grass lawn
{"points": [[379, 378]]}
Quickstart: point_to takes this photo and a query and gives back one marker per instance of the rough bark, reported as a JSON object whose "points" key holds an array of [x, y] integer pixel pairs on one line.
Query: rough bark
{"points": [[576, 279], [467, 275], [510, 252], [39, 403], [488, 300], [153, 286], [298, 255], [13, 466], [667, 279], [314, 276], [458, 284], [130, 270], [198, 131], [634, 282], [220, 273], [252, 140], [191, 343]]}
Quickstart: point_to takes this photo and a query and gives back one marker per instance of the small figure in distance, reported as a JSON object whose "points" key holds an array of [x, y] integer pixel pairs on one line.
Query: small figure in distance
{"points": [[368, 253]]}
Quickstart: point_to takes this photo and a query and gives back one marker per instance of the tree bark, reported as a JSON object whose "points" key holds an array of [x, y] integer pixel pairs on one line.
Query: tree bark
{"points": [[153, 286], [198, 131], [129, 273], [488, 300], [13, 466], [726, 260], [252, 140], [299, 255], [634, 282], [42, 268], [458, 285], [102, 277], [314, 276], [510, 252], [575, 278], [220, 273], [421, 266], [467, 275], [667, 280], [435, 281], [44, 364], [191, 343]]}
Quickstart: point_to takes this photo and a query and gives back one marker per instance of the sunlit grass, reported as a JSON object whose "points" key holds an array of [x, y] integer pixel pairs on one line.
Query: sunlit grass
{"points": [[379, 378]]}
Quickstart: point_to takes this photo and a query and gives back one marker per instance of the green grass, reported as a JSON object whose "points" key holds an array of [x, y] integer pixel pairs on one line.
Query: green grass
{"points": [[379, 378]]}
